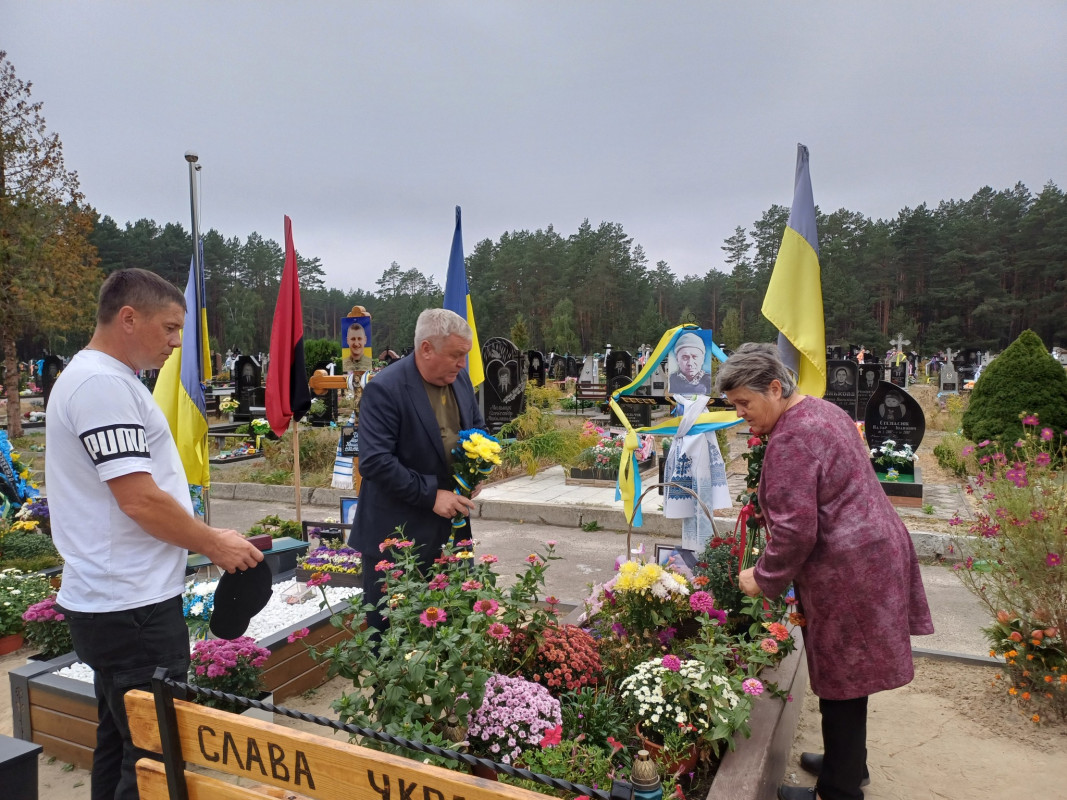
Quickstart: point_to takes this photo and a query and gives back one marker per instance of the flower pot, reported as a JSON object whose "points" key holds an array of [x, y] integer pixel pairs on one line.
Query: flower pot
{"points": [[10, 643], [679, 766], [336, 578]]}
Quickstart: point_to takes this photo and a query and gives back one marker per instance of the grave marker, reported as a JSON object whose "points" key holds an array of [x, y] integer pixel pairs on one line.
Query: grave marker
{"points": [[247, 389], [841, 385], [867, 384], [535, 361], [894, 414], [505, 383]]}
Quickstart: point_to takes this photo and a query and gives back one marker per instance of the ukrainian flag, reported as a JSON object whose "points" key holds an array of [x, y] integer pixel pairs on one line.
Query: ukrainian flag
{"points": [[793, 302], [180, 394], [458, 299]]}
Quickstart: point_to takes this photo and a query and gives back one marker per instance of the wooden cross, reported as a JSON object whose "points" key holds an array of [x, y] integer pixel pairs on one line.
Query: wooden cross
{"points": [[321, 382]]}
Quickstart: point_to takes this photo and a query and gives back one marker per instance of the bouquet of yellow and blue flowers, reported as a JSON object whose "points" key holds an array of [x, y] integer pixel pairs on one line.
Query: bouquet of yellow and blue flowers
{"points": [[476, 455]]}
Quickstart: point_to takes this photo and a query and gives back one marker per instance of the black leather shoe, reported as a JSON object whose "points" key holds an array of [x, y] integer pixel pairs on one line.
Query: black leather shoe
{"points": [[812, 762], [796, 792]]}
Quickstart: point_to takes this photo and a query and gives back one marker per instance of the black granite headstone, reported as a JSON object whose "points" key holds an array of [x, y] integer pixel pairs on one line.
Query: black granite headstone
{"points": [[535, 365], [894, 414], [868, 378], [49, 371], [638, 410], [619, 366], [505, 382], [841, 378], [247, 377], [898, 374], [574, 367], [350, 440]]}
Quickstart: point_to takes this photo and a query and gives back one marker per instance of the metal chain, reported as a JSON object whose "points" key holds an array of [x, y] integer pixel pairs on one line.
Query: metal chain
{"points": [[410, 744]]}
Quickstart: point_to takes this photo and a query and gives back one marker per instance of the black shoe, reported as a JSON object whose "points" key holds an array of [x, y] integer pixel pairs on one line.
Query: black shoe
{"points": [[796, 792], [812, 762]]}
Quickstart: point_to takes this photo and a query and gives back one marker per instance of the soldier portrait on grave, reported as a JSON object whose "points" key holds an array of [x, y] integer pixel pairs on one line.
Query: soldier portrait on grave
{"points": [[892, 408], [357, 359], [842, 380], [689, 368], [870, 376]]}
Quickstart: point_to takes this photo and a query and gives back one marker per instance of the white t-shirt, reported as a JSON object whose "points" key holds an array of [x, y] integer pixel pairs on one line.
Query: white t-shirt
{"points": [[102, 424]]}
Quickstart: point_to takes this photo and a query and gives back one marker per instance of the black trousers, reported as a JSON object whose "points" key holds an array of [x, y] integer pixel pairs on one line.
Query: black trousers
{"points": [[844, 737], [124, 648]]}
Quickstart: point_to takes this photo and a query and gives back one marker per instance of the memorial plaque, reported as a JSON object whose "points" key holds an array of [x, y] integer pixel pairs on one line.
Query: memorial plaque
{"points": [[588, 376], [557, 367], [841, 385], [637, 410], [869, 376], [658, 380], [619, 367], [898, 374], [535, 367], [350, 441], [574, 367], [949, 378], [247, 379], [505, 383], [894, 414], [49, 372]]}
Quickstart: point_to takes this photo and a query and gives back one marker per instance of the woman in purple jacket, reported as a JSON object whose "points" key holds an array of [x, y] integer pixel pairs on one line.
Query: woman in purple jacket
{"points": [[835, 536]]}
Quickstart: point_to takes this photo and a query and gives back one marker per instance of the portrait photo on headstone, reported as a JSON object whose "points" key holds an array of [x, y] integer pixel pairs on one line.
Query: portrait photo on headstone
{"points": [[689, 364]]}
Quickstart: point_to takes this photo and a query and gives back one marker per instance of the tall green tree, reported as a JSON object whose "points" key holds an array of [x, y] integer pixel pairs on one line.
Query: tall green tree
{"points": [[48, 273]]}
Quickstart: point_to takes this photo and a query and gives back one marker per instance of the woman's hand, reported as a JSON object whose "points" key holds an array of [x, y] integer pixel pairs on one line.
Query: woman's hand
{"points": [[747, 582]]}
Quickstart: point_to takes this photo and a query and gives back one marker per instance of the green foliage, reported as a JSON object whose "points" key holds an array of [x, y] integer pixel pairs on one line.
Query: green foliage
{"points": [[540, 439], [949, 454], [28, 545], [318, 350], [575, 760], [276, 527], [1024, 379], [595, 714], [591, 526], [520, 334], [545, 397], [19, 591]]}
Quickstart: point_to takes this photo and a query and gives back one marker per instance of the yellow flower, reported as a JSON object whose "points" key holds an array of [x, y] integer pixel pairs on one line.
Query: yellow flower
{"points": [[464, 554]]}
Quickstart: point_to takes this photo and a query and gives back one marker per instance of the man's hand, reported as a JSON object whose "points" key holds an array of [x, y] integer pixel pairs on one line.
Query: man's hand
{"points": [[231, 551], [450, 504], [747, 581]]}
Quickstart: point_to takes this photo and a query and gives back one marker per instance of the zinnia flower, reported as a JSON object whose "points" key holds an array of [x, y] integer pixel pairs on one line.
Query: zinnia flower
{"points": [[488, 559], [500, 631], [297, 635], [471, 585], [432, 616], [752, 686], [487, 607], [383, 565], [318, 579], [778, 631], [702, 602], [769, 646], [671, 662], [440, 581]]}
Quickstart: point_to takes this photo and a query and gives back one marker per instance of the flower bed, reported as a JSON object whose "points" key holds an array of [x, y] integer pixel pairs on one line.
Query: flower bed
{"points": [[53, 702]]}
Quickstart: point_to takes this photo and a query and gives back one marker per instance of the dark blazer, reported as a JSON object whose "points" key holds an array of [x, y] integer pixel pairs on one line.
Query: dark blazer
{"points": [[402, 460]]}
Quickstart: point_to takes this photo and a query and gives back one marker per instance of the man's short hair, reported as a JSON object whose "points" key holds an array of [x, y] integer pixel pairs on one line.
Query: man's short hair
{"points": [[434, 325], [137, 288]]}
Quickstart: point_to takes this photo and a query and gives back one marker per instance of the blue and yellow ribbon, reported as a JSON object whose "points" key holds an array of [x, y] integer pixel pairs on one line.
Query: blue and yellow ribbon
{"points": [[628, 487]]}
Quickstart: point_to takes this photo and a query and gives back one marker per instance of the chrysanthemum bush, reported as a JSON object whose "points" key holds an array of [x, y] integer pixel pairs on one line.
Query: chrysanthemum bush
{"points": [[19, 591], [233, 666], [566, 658], [1015, 561], [514, 716], [449, 631], [47, 628]]}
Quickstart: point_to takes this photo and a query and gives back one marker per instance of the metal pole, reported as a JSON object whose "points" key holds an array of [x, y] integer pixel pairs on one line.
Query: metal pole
{"points": [[198, 277]]}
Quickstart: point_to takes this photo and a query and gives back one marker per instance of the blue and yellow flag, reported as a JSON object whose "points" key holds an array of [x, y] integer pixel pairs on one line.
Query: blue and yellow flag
{"points": [[180, 394], [793, 302], [628, 488], [458, 299]]}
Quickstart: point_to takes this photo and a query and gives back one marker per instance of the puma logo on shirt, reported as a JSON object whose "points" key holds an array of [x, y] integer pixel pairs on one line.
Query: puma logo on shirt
{"points": [[115, 441]]}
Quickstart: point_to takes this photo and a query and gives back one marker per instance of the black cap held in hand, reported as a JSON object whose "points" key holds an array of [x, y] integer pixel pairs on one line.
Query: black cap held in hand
{"points": [[240, 596]]}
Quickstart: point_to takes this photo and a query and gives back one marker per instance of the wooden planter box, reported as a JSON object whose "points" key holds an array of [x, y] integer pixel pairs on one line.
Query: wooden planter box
{"points": [[336, 578], [59, 713]]}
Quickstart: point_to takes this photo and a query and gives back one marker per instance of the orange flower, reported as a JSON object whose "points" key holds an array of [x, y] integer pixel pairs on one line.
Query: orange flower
{"points": [[1013, 691], [1048, 679], [1026, 695], [1035, 718]]}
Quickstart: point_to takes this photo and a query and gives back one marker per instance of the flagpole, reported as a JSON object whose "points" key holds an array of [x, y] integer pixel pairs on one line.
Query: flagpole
{"points": [[198, 276], [296, 466]]}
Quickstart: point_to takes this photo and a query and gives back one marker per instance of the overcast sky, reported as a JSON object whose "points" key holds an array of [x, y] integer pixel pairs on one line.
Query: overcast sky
{"points": [[367, 123]]}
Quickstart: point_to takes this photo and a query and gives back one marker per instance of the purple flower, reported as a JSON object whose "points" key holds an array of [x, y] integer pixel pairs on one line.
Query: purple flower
{"points": [[671, 662], [1052, 560], [618, 629], [1046, 434]]}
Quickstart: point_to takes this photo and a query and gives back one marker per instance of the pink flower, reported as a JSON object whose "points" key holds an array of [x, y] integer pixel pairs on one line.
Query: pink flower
{"points": [[753, 441], [433, 616], [465, 543], [533, 558], [1046, 434], [297, 635], [488, 559], [439, 581], [319, 578], [499, 631], [487, 607], [1043, 459], [752, 686], [552, 737], [404, 543], [383, 565], [1031, 419], [1052, 559], [769, 646], [551, 542], [616, 745], [471, 586], [702, 602], [967, 450], [673, 663], [984, 443]]}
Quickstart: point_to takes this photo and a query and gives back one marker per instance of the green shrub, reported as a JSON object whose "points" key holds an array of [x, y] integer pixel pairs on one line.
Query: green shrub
{"points": [[1024, 379], [319, 350], [540, 439], [28, 545], [949, 455]]}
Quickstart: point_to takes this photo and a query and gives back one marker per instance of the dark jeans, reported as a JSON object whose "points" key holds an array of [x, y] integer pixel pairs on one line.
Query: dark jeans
{"points": [[844, 737], [124, 648]]}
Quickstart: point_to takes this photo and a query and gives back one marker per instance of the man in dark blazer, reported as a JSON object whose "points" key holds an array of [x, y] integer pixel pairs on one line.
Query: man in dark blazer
{"points": [[410, 417]]}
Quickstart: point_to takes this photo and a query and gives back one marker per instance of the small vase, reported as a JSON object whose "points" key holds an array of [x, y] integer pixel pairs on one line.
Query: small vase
{"points": [[10, 643], [679, 766]]}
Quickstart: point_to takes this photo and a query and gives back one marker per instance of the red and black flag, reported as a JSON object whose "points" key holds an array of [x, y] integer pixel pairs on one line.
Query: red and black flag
{"points": [[288, 394]]}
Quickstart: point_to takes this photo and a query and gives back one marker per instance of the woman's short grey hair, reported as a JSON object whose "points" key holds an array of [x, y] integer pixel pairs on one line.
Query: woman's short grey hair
{"points": [[434, 325], [753, 366]]}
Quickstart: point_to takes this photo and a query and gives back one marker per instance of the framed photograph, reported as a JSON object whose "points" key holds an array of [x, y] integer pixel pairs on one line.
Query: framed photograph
{"points": [[348, 509], [689, 364], [683, 561]]}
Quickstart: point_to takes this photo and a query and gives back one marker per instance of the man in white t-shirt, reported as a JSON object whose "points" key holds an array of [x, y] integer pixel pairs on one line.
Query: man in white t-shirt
{"points": [[121, 513]]}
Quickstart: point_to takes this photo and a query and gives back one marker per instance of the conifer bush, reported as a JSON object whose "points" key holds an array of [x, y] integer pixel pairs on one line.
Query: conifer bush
{"points": [[1022, 380]]}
